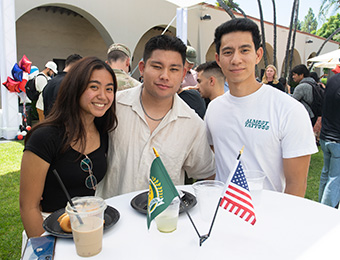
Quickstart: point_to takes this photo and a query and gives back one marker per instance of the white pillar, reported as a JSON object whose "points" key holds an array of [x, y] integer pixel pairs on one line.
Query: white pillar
{"points": [[182, 24], [9, 117]]}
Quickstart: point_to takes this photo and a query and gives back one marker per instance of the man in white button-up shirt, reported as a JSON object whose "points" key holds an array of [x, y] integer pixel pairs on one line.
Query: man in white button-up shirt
{"points": [[152, 115]]}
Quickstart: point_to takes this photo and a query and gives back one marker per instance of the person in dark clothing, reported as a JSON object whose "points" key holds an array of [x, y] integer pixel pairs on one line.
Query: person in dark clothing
{"points": [[270, 78], [304, 91], [194, 100], [50, 91], [329, 190]]}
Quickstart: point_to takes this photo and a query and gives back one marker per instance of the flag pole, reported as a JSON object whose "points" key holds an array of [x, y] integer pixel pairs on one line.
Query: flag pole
{"points": [[185, 209], [219, 201]]}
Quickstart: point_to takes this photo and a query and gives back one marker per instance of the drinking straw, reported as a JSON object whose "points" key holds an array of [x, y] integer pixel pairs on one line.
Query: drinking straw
{"points": [[67, 195]]}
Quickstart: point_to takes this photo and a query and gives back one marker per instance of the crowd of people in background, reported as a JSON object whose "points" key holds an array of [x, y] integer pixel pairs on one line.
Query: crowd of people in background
{"points": [[98, 124]]}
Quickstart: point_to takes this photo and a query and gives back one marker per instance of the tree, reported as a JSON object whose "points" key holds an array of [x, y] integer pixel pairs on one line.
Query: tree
{"points": [[229, 6], [274, 33], [294, 10], [332, 24], [263, 34], [328, 5], [309, 24]]}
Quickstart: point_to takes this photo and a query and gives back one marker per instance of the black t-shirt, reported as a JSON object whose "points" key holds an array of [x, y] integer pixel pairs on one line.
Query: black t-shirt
{"points": [[46, 142], [50, 91], [330, 129], [194, 100], [278, 85]]}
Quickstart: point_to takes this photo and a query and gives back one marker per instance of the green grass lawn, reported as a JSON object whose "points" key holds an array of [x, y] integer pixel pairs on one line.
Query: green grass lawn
{"points": [[10, 221]]}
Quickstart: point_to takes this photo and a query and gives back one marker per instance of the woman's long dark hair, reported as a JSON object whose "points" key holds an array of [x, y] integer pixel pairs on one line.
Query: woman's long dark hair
{"points": [[66, 112]]}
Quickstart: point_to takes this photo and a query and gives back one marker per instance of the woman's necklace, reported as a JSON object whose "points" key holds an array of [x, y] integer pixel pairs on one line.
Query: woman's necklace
{"points": [[141, 103]]}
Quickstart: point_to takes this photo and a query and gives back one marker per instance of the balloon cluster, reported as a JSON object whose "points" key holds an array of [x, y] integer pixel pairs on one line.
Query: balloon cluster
{"points": [[20, 73], [22, 132]]}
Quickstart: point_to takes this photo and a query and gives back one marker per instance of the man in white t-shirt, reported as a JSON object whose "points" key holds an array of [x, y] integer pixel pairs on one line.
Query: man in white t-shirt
{"points": [[40, 83], [274, 128]]}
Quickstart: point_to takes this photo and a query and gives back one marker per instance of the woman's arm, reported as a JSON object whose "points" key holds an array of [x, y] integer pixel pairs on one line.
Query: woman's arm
{"points": [[32, 180]]}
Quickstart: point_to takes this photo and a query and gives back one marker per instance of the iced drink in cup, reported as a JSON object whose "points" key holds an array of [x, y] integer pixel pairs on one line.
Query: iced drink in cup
{"points": [[86, 218], [208, 194], [167, 220]]}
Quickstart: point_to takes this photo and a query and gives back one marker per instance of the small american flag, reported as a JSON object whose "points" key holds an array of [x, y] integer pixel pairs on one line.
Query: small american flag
{"points": [[236, 198]]}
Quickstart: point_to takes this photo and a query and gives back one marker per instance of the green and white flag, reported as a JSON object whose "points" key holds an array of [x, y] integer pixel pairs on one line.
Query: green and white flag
{"points": [[161, 189]]}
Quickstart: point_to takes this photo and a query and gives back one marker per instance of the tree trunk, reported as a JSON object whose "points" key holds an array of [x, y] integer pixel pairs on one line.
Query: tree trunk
{"points": [[226, 8], [288, 40], [263, 35], [274, 34], [237, 8], [297, 2]]}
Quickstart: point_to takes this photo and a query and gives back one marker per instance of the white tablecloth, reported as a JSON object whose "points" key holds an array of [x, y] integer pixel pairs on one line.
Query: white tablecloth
{"points": [[287, 227]]}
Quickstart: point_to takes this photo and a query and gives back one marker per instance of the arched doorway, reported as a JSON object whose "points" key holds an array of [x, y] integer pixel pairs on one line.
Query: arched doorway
{"points": [[53, 33]]}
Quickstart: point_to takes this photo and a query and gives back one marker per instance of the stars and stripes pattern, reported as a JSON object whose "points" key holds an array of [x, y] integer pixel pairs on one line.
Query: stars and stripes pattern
{"points": [[236, 198]]}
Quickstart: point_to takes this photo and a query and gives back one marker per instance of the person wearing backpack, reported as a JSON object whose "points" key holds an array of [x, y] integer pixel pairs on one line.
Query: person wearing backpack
{"points": [[303, 92], [40, 82]]}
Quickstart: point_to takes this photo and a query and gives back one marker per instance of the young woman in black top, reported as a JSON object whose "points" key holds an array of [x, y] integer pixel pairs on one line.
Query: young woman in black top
{"points": [[72, 139]]}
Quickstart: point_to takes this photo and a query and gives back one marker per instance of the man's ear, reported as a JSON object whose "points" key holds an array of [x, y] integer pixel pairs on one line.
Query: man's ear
{"points": [[212, 80], [184, 73], [127, 62], [141, 67], [259, 54], [217, 58]]}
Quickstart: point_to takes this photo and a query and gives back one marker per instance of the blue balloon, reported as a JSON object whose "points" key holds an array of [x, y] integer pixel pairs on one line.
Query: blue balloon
{"points": [[17, 72]]}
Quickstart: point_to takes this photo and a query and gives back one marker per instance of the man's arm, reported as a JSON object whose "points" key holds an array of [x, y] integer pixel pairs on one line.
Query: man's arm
{"points": [[296, 172]]}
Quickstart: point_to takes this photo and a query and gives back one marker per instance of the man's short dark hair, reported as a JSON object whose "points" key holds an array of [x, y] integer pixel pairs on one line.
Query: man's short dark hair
{"points": [[211, 67], [166, 43], [301, 69], [236, 25], [72, 59]]}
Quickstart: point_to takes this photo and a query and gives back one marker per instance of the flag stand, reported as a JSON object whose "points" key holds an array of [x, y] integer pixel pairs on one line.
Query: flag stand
{"points": [[218, 205], [193, 224]]}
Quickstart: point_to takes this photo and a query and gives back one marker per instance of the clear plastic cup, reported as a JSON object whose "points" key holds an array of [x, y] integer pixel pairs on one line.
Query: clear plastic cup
{"points": [[208, 193], [167, 220], [255, 180], [87, 218]]}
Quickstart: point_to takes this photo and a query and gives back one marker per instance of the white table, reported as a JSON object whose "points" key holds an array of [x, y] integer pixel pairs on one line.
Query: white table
{"points": [[287, 227]]}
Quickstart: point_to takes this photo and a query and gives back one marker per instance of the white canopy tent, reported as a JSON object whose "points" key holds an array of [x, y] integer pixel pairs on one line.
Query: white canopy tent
{"points": [[332, 57]]}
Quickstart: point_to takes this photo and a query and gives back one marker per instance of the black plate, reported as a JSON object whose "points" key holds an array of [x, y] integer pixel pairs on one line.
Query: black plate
{"points": [[140, 202], [51, 225]]}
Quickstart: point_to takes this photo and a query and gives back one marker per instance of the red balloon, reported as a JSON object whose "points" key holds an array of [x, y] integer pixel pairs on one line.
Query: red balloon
{"points": [[28, 128], [12, 85], [336, 70], [25, 64], [22, 85], [20, 137]]}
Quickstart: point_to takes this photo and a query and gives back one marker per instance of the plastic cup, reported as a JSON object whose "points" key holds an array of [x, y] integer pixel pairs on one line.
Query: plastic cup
{"points": [[208, 194], [167, 220], [255, 181], [88, 235]]}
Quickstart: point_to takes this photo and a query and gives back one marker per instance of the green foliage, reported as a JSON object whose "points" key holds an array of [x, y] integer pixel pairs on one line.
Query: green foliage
{"points": [[229, 4], [329, 27], [309, 24], [328, 5]]}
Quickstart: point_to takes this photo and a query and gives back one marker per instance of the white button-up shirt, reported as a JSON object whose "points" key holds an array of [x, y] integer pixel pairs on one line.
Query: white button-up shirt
{"points": [[180, 139]]}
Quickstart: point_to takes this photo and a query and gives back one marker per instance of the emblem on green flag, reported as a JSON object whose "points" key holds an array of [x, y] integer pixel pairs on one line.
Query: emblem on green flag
{"points": [[161, 189]]}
